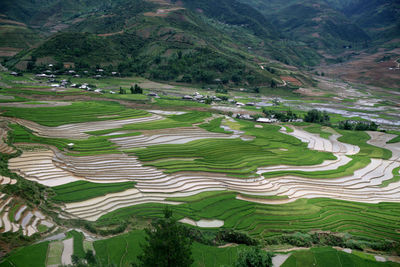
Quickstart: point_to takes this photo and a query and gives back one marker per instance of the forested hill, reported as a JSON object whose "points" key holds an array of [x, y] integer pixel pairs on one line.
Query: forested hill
{"points": [[344, 20], [189, 40]]}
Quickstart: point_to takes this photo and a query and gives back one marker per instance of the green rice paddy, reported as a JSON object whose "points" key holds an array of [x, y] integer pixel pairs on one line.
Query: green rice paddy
{"points": [[234, 156], [74, 113], [123, 250], [375, 221], [34, 255], [329, 257], [83, 190], [92, 146]]}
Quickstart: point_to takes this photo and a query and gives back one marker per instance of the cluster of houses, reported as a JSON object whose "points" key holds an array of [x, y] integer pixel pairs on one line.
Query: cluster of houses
{"points": [[201, 98], [99, 73]]}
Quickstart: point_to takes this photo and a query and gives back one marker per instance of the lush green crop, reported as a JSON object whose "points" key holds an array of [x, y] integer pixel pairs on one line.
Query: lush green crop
{"points": [[173, 121], [123, 250], [360, 139], [330, 257], [375, 221], [317, 129], [83, 190], [234, 156], [91, 146], [214, 126], [78, 243], [34, 255], [74, 113], [357, 162]]}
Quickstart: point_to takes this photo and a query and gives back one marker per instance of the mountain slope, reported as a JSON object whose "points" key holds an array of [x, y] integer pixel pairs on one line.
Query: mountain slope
{"points": [[313, 22], [380, 18], [235, 13], [160, 42]]}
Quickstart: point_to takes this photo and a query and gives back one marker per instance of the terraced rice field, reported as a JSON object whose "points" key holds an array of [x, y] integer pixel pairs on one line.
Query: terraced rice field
{"points": [[4, 147], [214, 171], [15, 216], [329, 257], [376, 221]]}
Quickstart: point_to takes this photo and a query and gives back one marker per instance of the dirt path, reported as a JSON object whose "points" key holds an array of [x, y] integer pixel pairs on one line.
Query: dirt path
{"points": [[279, 259], [67, 251]]}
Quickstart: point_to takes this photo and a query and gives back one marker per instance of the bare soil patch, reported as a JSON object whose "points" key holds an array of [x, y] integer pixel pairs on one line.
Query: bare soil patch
{"points": [[110, 34], [162, 12], [8, 21], [291, 80]]}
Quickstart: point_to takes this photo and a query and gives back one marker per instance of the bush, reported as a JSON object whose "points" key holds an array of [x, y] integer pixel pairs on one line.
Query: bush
{"points": [[358, 125], [232, 236], [283, 116], [254, 257]]}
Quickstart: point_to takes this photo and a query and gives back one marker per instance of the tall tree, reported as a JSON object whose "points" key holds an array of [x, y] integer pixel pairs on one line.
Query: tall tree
{"points": [[168, 244]]}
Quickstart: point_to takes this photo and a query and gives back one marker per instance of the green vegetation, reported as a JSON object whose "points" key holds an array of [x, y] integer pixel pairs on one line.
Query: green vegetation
{"points": [[283, 116], [214, 126], [12, 211], [120, 250], [234, 156], [74, 113], [376, 222], [173, 121], [316, 116], [396, 177], [34, 255], [91, 146], [326, 256], [254, 257], [395, 139], [357, 162], [54, 253], [358, 125], [318, 129], [360, 139], [361, 160], [78, 237], [167, 244], [83, 190], [205, 255], [124, 249]]}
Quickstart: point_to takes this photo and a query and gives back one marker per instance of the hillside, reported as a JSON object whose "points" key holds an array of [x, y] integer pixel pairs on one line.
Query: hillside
{"points": [[194, 41], [315, 23]]}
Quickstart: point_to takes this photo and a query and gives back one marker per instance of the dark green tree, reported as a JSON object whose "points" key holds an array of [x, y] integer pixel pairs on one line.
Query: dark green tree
{"points": [[273, 84], [254, 257], [168, 244], [90, 258], [316, 116], [137, 89]]}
